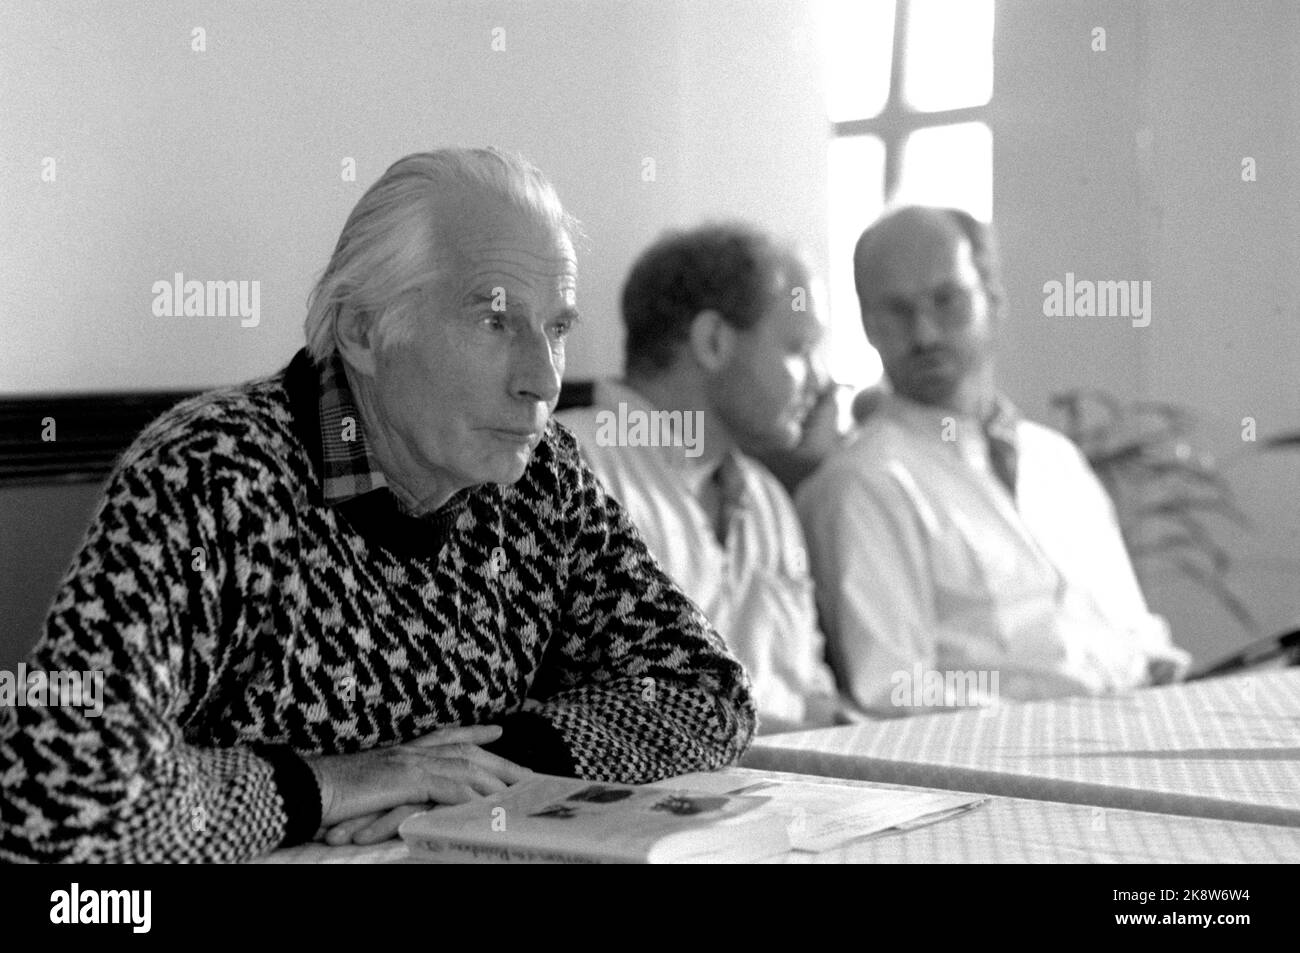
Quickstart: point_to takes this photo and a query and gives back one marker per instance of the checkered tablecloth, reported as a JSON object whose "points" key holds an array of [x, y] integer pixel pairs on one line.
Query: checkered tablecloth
{"points": [[1015, 831], [1002, 830], [1225, 748]]}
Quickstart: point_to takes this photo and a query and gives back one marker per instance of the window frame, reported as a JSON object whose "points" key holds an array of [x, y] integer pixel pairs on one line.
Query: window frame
{"points": [[897, 120]]}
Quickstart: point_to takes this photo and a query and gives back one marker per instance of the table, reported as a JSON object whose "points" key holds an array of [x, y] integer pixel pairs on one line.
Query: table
{"points": [[1003, 830], [1226, 748]]}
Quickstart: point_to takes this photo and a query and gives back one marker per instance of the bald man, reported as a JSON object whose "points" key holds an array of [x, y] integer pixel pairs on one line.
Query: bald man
{"points": [[962, 554]]}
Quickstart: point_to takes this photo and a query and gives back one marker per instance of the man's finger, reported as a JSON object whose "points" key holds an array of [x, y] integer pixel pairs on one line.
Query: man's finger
{"points": [[386, 826], [463, 771], [343, 832], [494, 764], [461, 734], [443, 790]]}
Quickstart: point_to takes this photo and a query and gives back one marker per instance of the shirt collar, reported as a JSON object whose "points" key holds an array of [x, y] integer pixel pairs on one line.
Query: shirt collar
{"points": [[608, 394], [1002, 420], [349, 468], [321, 403]]}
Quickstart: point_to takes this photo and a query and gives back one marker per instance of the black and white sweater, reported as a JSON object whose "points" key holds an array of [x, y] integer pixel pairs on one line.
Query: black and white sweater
{"points": [[241, 622]]}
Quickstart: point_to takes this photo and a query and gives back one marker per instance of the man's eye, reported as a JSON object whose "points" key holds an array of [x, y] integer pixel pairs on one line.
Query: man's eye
{"points": [[496, 321], [563, 327]]}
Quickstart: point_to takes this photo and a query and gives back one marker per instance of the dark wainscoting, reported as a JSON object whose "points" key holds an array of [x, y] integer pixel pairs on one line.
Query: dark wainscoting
{"points": [[49, 490], [89, 432]]}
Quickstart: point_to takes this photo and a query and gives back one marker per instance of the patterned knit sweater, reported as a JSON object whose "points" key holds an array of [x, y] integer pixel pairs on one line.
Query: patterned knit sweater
{"points": [[242, 623]]}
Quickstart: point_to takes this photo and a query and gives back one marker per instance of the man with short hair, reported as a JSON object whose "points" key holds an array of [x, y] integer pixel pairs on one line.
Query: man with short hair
{"points": [[721, 326], [952, 535], [379, 580]]}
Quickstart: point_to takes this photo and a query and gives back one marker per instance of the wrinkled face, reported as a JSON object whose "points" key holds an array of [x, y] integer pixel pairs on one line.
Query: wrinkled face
{"points": [[469, 396], [925, 311], [766, 389]]}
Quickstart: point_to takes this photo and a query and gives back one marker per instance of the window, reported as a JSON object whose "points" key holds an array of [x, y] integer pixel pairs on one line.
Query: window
{"points": [[908, 88]]}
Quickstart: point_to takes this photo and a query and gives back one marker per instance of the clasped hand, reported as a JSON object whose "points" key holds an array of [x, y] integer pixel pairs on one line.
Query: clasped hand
{"points": [[365, 796]]}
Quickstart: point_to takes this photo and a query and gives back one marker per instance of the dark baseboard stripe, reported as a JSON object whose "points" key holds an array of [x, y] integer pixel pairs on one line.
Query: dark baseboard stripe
{"points": [[72, 438]]}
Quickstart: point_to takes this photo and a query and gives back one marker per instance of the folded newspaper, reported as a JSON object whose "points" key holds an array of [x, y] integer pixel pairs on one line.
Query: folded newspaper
{"points": [[824, 814], [710, 817]]}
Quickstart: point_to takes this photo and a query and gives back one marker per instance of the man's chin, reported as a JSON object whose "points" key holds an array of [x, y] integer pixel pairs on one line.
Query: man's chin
{"points": [[510, 470], [776, 441], [931, 389], [791, 436]]}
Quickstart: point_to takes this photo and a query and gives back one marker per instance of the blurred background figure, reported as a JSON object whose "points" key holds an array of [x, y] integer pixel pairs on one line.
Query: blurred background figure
{"points": [[721, 328], [951, 534]]}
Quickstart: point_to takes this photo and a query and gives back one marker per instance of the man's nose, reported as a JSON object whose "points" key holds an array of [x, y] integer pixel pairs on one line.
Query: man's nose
{"points": [[538, 369], [816, 378], [818, 375], [925, 326]]}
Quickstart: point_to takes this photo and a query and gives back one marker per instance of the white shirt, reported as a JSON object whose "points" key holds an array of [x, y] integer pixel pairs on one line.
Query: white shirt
{"points": [[924, 562], [757, 590]]}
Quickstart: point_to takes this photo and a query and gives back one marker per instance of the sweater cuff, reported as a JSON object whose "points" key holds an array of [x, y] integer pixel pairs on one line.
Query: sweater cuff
{"points": [[296, 783], [531, 740]]}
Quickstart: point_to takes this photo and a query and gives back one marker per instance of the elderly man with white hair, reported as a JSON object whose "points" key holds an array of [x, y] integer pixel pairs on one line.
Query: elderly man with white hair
{"points": [[378, 580]]}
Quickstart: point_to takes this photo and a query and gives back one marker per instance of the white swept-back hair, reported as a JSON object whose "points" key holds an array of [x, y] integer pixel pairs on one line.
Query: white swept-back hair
{"points": [[386, 249]]}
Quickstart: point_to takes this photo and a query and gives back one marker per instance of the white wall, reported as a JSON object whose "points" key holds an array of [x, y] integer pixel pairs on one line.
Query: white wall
{"points": [[1223, 83], [225, 164], [1126, 164]]}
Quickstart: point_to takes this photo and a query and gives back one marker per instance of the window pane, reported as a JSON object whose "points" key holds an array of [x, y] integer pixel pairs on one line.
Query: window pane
{"points": [[858, 43], [949, 165], [856, 189], [949, 58]]}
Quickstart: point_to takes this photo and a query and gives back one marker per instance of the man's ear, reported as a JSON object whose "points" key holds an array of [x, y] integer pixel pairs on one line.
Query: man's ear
{"points": [[355, 337], [713, 340], [997, 309], [869, 328]]}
